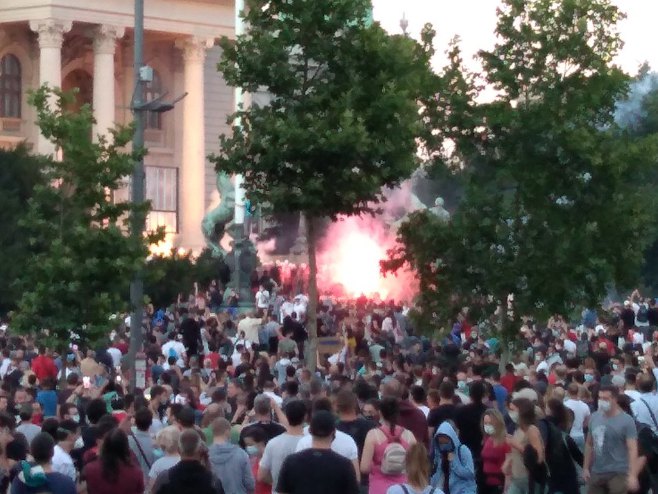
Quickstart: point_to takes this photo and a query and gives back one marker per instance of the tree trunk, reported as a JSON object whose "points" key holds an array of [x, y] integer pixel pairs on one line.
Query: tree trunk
{"points": [[311, 314]]}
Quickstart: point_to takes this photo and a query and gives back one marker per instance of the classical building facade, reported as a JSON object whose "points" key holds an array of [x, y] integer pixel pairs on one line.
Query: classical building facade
{"points": [[88, 44]]}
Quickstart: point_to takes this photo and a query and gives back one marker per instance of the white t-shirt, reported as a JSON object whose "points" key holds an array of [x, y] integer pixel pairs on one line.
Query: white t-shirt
{"points": [[162, 465], [262, 299], [569, 346], [63, 463], [276, 451], [115, 353], [634, 394], [343, 444], [178, 347], [580, 413], [425, 409], [274, 396]]}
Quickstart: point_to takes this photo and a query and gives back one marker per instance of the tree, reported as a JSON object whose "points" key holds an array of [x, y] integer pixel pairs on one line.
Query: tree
{"points": [[343, 118], [82, 253], [554, 207], [20, 173]]}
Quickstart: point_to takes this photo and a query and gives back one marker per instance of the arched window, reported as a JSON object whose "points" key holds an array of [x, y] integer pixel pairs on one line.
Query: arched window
{"points": [[153, 91], [10, 87]]}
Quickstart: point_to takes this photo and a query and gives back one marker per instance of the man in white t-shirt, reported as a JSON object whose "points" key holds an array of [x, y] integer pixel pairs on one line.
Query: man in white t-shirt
{"points": [[174, 348], [581, 413], [262, 299]]}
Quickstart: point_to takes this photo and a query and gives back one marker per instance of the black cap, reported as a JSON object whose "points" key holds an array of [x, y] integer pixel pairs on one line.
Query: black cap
{"points": [[323, 424]]}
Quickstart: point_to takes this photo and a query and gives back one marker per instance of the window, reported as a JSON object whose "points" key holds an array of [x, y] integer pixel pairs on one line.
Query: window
{"points": [[162, 191], [153, 91], [10, 87]]}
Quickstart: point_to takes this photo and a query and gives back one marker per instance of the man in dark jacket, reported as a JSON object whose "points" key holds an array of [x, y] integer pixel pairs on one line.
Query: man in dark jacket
{"points": [[189, 475], [191, 331]]}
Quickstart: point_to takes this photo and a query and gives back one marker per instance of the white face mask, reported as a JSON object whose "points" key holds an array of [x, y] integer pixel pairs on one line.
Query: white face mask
{"points": [[514, 415], [79, 443], [489, 429], [604, 406]]}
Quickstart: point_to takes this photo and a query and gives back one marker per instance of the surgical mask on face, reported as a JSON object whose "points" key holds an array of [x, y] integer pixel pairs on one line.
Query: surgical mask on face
{"points": [[615, 367], [604, 406], [489, 429], [79, 443], [252, 450], [75, 418], [589, 378], [461, 385], [514, 415]]}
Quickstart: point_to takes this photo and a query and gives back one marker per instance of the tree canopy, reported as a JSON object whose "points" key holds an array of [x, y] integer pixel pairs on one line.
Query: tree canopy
{"points": [[555, 207], [82, 253]]}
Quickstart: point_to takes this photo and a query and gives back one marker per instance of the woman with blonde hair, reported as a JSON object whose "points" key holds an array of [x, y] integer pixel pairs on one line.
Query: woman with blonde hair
{"points": [[494, 452], [167, 441], [418, 473]]}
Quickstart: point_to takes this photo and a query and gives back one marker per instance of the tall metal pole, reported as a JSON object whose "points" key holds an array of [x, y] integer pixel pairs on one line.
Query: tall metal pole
{"points": [[137, 193]]}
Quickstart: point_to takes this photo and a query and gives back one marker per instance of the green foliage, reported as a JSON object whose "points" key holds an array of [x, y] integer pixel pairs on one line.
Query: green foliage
{"points": [[555, 207], [167, 277], [20, 173], [343, 119], [82, 253]]}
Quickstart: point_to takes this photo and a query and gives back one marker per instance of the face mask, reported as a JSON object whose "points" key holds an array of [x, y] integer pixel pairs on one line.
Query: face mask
{"points": [[604, 406], [158, 453], [446, 447], [514, 415], [615, 367], [589, 378], [461, 384], [79, 443], [252, 450], [75, 418], [489, 429]]}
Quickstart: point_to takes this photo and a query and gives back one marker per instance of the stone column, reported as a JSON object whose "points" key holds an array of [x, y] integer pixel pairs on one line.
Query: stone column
{"points": [[51, 34], [192, 174], [105, 38]]}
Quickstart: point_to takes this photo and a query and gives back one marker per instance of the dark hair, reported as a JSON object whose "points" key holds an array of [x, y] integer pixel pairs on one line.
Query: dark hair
{"points": [[42, 447], [65, 409], [256, 433], [390, 411], [558, 413], [186, 417], [95, 410], [322, 404], [526, 409], [291, 387], [49, 426], [645, 384], [478, 390], [104, 425], [143, 419], [613, 390], [115, 451], [219, 395], [295, 412], [418, 393], [447, 390], [156, 390], [346, 402], [66, 428]]}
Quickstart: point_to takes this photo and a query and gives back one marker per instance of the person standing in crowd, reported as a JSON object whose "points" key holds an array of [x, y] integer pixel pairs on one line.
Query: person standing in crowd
{"points": [[113, 471], [318, 469], [611, 461], [167, 441], [68, 438], [189, 475], [522, 413], [581, 414], [382, 460], [418, 472], [141, 443], [255, 441], [43, 366], [41, 478], [469, 420], [494, 452], [229, 462], [283, 445], [263, 419], [409, 416], [446, 410], [454, 470]]}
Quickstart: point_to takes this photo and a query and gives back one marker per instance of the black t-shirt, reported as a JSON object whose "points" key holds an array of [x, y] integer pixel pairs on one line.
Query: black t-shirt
{"points": [[468, 419], [628, 316], [358, 429], [272, 429], [652, 316], [440, 414], [317, 471]]}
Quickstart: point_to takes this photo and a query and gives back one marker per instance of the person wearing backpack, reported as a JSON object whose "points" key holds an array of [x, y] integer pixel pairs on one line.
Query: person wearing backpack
{"points": [[385, 449], [418, 472], [454, 469], [40, 478]]}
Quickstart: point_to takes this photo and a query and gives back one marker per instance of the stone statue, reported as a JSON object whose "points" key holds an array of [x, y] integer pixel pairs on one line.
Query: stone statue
{"points": [[216, 222], [439, 211]]}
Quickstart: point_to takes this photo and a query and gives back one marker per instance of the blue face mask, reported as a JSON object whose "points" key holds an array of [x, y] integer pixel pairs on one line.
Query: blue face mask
{"points": [[252, 450], [589, 378], [446, 447]]}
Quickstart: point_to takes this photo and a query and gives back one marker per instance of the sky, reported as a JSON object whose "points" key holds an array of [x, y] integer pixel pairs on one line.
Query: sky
{"points": [[474, 21]]}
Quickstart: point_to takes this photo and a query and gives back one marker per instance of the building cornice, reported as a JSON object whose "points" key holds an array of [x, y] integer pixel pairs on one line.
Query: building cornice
{"points": [[171, 16]]}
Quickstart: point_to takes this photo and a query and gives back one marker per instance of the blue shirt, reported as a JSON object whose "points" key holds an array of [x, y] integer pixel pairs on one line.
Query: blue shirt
{"points": [[501, 395], [48, 401]]}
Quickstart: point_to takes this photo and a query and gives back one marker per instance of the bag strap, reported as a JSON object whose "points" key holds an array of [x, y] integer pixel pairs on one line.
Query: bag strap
{"points": [[653, 417], [390, 437], [139, 446], [404, 488]]}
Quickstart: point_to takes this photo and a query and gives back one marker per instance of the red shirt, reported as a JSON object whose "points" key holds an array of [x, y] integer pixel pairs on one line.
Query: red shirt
{"points": [[508, 381], [261, 487], [214, 359], [122, 347], [493, 457], [44, 367], [129, 479]]}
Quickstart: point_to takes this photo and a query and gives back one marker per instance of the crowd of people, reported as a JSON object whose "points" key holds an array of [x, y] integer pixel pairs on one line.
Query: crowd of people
{"points": [[230, 405]]}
